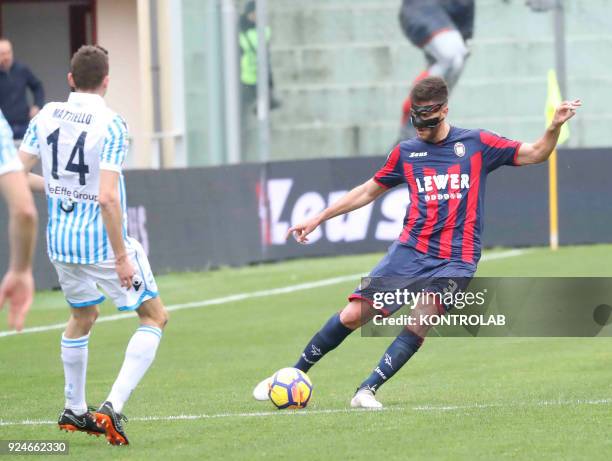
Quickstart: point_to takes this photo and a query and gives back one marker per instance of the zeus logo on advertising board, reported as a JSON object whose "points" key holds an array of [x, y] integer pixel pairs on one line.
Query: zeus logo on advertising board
{"points": [[386, 215]]}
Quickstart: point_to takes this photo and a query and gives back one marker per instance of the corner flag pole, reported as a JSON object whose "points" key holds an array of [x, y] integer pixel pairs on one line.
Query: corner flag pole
{"points": [[556, 91], [553, 99], [553, 201]]}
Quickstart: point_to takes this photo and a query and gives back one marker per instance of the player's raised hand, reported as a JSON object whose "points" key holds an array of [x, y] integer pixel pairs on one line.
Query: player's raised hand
{"points": [[300, 231], [565, 111], [18, 288], [125, 271]]}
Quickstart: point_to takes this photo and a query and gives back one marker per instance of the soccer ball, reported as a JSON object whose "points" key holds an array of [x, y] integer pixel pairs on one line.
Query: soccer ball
{"points": [[290, 388]]}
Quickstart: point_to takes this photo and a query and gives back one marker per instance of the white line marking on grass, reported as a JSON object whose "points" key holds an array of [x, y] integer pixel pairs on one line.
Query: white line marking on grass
{"points": [[259, 414], [542, 403], [503, 254], [239, 297], [207, 302]]}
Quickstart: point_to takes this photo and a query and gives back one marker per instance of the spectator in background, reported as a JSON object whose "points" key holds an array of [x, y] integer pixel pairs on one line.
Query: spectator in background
{"points": [[248, 59], [14, 79], [440, 28]]}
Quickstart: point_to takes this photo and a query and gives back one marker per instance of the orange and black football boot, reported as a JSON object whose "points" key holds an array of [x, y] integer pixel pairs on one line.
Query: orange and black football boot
{"points": [[86, 422], [107, 418]]}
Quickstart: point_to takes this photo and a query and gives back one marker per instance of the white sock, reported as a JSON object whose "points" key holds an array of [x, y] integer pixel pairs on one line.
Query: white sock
{"points": [[74, 356], [139, 356]]}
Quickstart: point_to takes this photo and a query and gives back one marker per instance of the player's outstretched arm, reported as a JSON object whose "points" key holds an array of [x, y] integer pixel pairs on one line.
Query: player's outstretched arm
{"points": [[18, 285], [356, 198], [35, 181], [540, 150], [110, 205]]}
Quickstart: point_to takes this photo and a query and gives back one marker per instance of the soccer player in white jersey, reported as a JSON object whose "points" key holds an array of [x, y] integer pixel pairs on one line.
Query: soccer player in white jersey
{"points": [[17, 285], [82, 145]]}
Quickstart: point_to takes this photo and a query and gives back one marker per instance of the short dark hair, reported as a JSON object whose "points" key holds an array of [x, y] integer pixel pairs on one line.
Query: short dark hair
{"points": [[89, 67], [430, 89]]}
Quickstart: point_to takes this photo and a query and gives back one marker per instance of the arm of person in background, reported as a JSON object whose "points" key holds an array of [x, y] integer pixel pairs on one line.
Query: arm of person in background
{"points": [[539, 151], [358, 197], [38, 93], [18, 284], [35, 181]]}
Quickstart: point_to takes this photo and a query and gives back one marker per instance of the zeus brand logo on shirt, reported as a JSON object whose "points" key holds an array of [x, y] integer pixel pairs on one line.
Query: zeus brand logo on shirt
{"points": [[417, 154], [441, 183]]}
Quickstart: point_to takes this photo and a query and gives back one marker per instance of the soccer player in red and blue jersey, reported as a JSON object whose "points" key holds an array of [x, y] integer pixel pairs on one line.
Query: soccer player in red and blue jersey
{"points": [[445, 169]]}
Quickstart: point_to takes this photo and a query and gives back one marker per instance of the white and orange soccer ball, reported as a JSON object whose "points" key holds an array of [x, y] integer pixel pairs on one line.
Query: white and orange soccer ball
{"points": [[290, 389]]}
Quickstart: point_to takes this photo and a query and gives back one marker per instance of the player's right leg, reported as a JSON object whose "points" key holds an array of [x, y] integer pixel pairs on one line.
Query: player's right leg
{"points": [[354, 315], [140, 353], [139, 356]]}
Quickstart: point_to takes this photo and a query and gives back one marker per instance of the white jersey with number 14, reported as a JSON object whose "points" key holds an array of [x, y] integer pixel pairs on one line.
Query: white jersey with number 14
{"points": [[75, 140]]}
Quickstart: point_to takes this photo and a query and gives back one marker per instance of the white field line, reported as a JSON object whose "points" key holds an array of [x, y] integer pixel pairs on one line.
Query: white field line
{"points": [[238, 297], [421, 408]]}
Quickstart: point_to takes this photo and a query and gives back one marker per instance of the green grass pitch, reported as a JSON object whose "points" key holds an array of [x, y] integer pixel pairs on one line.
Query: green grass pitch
{"points": [[458, 398]]}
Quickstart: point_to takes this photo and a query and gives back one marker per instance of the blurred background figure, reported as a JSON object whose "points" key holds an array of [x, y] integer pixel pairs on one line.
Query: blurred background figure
{"points": [[248, 59], [15, 78], [440, 28], [249, 44]]}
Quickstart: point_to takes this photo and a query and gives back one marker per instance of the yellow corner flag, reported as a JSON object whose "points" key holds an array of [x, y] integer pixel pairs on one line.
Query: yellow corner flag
{"points": [[553, 99]]}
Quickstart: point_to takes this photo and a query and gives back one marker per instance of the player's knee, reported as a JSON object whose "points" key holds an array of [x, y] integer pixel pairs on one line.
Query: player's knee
{"points": [[451, 65], [351, 316], [456, 64], [86, 318], [164, 318], [159, 317]]}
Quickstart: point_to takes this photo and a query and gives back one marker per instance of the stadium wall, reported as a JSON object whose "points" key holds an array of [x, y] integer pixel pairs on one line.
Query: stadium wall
{"points": [[342, 69], [199, 218]]}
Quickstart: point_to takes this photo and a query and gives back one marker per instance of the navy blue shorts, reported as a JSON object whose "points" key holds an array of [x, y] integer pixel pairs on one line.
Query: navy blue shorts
{"points": [[422, 19], [404, 268]]}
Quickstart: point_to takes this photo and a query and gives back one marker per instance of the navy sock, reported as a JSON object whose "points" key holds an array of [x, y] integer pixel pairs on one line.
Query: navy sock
{"points": [[396, 355], [327, 339]]}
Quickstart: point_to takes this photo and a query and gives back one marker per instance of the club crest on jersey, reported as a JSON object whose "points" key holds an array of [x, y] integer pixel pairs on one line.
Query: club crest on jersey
{"points": [[459, 149]]}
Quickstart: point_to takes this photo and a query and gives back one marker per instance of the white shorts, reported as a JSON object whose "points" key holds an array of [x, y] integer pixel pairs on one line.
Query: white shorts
{"points": [[81, 282], [10, 166]]}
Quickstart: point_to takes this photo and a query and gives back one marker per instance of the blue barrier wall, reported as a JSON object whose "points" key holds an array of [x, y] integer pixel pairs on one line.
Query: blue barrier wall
{"points": [[198, 218]]}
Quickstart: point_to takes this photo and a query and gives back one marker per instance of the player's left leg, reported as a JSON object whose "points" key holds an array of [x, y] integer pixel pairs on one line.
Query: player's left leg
{"points": [[75, 341], [83, 296], [74, 353], [448, 278], [395, 357]]}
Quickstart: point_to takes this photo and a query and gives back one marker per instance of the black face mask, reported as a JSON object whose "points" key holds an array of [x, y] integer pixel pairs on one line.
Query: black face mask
{"points": [[416, 113]]}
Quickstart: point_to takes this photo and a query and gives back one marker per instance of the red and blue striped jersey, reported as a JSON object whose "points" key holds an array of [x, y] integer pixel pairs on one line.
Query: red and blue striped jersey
{"points": [[446, 183]]}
